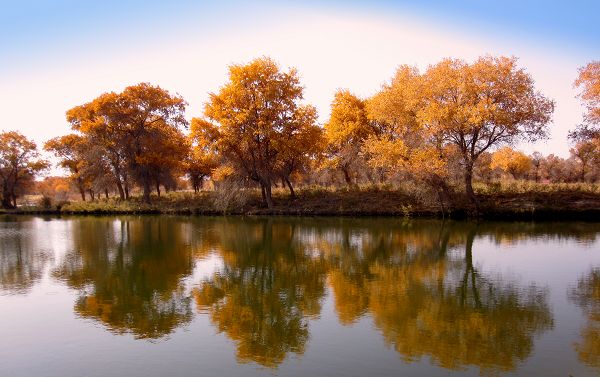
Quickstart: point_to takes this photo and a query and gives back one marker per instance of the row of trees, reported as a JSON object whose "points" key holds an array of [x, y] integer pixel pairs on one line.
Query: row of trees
{"points": [[438, 127]]}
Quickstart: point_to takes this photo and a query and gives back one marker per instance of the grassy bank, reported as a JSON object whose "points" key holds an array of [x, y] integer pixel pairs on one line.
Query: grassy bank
{"points": [[516, 200]]}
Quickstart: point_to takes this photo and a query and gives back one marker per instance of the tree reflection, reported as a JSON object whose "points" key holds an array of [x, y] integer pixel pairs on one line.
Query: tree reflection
{"points": [[430, 300], [128, 272], [269, 285], [587, 295], [417, 281], [22, 256]]}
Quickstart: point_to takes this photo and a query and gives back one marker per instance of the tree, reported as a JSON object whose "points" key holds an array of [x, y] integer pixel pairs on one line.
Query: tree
{"points": [[19, 163], [57, 188], [304, 144], [71, 149], [138, 130], [586, 152], [202, 159], [345, 131], [259, 114], [473, 107], [536, 162], [589, 83], [516, 163], [586, 136]]}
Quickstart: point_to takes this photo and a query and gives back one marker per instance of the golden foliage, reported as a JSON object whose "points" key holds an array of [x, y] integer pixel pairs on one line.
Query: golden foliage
{"points": [[19, 163], [469, 106], [261, 124], [511, 161], [589, 83]]}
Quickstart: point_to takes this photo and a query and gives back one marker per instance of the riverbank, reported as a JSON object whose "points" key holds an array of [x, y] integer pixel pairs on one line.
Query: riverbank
{"points": [[569, 203]]}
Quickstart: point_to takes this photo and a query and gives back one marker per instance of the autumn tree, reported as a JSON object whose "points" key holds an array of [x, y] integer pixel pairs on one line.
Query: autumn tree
{"points": [[510, 161], [586, 136], [19, 163], [138, 129], [71, 150], [586, 152], [259, 116], [202, 159], [589, 83], [473, 107], [304, 144], [57, 188], [536, 162], [345, 131]]}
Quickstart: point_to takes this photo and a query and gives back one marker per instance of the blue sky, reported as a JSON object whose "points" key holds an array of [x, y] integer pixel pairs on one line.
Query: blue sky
{"points": [[57, 54]]}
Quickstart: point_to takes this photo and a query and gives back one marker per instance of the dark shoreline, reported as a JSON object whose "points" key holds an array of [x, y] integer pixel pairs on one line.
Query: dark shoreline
{"points": [[541, 214], [539, 206]]}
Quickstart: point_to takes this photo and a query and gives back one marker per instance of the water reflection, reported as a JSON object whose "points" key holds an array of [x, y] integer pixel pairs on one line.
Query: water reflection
{"points": [[268, 288], [428, 299], [416, 282], [128, 273], [587, 295], [22, 259]]}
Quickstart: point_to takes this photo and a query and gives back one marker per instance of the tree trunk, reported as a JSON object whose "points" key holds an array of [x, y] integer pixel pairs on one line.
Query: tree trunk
{"points": [[469, 186], [347, 176], [120, 188], [106, 193], [126, 189], [263, 194], [146, 187], [81, 188], [266, 184], [289, 185], [158, 189], [6, 199]]}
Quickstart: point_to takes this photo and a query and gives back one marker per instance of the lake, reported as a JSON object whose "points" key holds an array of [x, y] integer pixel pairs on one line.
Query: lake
{"points": [[219, 296]]}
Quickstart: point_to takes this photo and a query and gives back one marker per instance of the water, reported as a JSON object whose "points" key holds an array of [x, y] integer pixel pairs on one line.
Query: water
{"points": [[185, 296]]}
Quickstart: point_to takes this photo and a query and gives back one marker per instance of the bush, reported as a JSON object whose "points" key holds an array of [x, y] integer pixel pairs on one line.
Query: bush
{"points": [[45, 202], [229, 195]]}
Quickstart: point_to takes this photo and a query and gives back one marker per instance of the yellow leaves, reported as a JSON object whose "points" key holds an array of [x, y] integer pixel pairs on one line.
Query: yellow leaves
{"points": [[348, 121], [262, 129], [589, 83], [395, 155], [510, 161], [386, 153], [19, 163], [222, 172]]}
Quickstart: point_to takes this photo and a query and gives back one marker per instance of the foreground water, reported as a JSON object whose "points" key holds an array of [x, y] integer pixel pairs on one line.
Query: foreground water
{"points": [[181, 296]]}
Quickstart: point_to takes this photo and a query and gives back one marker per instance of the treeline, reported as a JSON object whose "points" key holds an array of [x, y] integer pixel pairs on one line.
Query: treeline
{"points": [[440, 129]]}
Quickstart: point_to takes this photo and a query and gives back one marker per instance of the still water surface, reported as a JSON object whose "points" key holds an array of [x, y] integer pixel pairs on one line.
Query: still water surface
{"points": [[183, 296]]}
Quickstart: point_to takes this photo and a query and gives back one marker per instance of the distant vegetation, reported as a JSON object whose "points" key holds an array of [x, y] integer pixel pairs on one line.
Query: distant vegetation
{"points": [[442, 138]]}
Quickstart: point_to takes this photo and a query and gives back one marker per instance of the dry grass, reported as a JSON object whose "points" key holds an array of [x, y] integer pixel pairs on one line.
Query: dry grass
{"points": [[503, 198]]}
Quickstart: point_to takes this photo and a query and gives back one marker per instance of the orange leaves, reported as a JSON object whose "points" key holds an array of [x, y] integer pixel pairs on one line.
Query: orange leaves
{"points": [[19, 163], [348, 122], [136, 132], [471, 107], [261, 124], [589, 83], [510, 161]]}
